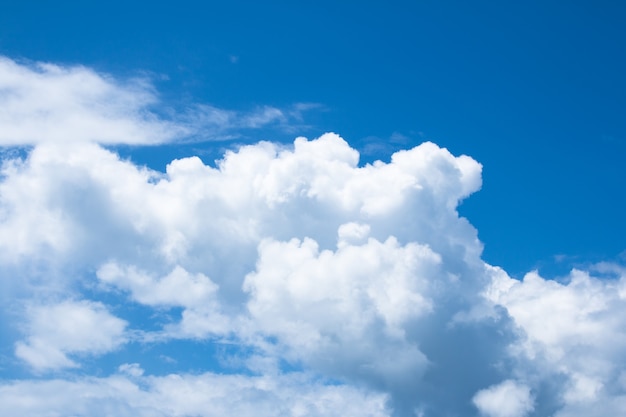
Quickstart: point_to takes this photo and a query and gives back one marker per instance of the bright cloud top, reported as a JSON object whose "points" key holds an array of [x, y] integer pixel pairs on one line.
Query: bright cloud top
{"points": [[343, 289]]}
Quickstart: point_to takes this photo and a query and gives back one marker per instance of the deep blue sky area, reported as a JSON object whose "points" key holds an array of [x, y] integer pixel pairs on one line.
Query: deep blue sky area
{"points": [[535, 91]]}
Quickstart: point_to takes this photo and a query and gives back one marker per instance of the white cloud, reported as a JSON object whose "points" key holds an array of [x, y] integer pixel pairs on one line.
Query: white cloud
{"points": [[205, 395], [43, 103], [178, 288], [573, 329], [381, 246], [48, 103], [293, 253], [55, 331], [556, 316], [507, 399], [210, 122], [352, 304], [132, 369], [196, 293], [264, 116]]}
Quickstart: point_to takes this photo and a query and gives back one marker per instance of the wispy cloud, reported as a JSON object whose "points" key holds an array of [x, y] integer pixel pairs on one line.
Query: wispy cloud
{"points": [[44, 103]]}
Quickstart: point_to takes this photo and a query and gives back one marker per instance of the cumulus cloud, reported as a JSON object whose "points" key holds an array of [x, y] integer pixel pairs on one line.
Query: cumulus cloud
{"points": [[573, 330], [507, 399], [297, 252], [55, 331], [271, 243], [345, 309], [343, 286]]}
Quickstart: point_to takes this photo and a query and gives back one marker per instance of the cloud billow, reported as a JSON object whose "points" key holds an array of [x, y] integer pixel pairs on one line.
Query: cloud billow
{"points": [[354, 289]]}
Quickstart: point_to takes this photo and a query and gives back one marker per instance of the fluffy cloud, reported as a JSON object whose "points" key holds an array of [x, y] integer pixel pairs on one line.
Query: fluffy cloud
{"points": [[195, 293], [343, 287], [345, 309], [268, 248], [69, 327], [573, 330], [507, 399], [178, 288]]}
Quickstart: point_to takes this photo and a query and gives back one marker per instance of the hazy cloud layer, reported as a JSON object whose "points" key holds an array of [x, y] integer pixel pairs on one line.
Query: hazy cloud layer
{"points": [[348, 289], [129, 394]]}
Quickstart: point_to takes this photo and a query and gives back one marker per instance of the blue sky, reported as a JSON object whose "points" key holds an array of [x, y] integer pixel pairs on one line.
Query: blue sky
{"points": [[181, 267]]}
